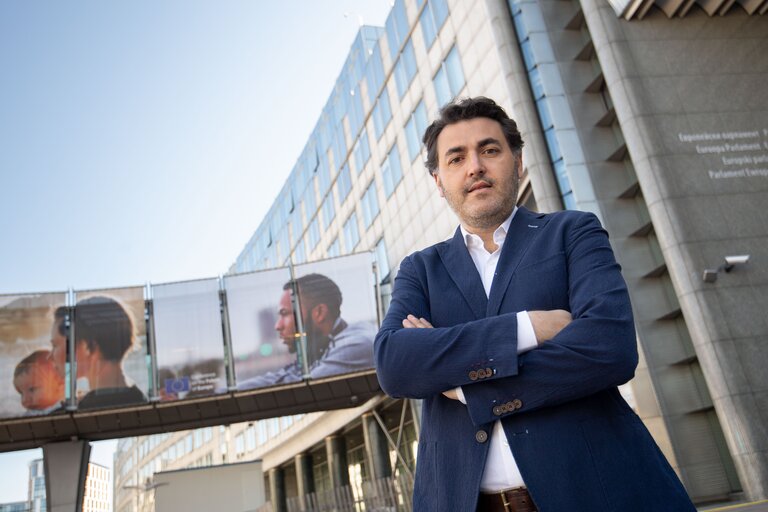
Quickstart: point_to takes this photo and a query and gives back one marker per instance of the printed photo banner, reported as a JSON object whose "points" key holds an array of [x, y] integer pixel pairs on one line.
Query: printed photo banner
{"points": [[338, 310], [255, 314], [112, 368], [189, 341], [31, 383]]}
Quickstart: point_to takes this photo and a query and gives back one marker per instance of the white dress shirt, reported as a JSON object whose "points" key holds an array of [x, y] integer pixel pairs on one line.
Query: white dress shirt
{"points": [[501, 471]]}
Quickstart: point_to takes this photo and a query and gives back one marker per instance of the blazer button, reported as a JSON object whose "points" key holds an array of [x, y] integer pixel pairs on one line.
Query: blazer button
{"points": [[498, 410], [481, 374], [481, 436], [510, 406], [488, 372], [517, 403], [473, 375]]}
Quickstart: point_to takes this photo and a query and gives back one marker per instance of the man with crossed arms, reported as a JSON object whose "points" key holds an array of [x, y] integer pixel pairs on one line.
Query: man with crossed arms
{"points": [[516, 334]]}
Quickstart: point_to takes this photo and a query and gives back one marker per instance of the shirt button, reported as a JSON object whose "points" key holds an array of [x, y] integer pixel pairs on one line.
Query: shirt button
{"points": [[481, 436], [473, 375]]}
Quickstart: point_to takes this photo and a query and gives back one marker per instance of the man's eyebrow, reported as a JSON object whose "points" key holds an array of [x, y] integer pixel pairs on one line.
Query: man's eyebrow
{"points": [[455, 149], [487, 142]]}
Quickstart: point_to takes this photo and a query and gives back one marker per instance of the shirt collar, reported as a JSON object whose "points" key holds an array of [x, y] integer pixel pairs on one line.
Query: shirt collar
{"points": [[470, 239]]}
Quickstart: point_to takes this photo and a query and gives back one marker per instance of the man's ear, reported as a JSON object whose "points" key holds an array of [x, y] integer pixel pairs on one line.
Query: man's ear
{"points": [[320, 313], [438, 183], [519, 164]]}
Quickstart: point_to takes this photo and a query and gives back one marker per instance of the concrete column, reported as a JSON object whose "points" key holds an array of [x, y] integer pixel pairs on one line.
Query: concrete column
{"points": [[277, 490], [336, 451], [376, 449], [305, 478], [66, 466]]}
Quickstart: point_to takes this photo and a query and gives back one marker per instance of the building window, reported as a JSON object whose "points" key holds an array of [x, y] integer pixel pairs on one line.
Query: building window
{"points": [[414, 130], [374, 74], [449, 79], [334, 249], [382, 261], [351, 233], [362, 151], [370, 205], [382, 113], [391, 171], [299, 253], [432, 18], [405, 69], [343, 183], [329, 211], [396, 27], [313, 234]]}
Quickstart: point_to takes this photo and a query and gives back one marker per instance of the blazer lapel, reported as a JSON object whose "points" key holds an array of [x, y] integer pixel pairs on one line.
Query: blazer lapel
{"points": [[462, 270], [523, 229]]}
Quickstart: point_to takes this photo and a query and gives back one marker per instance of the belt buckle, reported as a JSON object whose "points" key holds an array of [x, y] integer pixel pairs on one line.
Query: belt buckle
{"points": [[505, 502]]}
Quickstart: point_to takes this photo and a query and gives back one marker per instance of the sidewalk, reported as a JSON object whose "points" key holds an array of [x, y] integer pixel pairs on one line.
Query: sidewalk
{"points": [[755, 506]]}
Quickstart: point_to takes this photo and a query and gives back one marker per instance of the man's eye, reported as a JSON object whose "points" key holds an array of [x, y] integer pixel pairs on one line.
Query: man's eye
{"points": [[454, 160], [492, 151]]}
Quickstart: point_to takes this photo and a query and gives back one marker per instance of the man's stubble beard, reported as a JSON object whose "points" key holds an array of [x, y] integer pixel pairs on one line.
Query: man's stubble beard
{"points": [[490, 216]]}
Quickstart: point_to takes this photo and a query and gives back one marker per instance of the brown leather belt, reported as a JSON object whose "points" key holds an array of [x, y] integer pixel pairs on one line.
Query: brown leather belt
{"points": [[510, 500]]}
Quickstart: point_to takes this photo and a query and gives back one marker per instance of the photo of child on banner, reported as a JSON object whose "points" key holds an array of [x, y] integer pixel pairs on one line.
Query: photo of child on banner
{"points": [[30, 381]]}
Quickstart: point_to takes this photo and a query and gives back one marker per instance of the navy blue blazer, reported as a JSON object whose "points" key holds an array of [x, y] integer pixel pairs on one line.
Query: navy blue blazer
{"points": [[578, 445]]}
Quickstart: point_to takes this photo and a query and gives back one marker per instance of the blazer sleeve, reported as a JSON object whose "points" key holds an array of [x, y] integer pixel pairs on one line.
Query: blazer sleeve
{"points": [[418, 363], [596, 351]]}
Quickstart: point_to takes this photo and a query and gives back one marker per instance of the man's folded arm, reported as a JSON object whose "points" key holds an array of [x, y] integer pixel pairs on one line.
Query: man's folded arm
{"points": [[418, 363], [596, 351]]}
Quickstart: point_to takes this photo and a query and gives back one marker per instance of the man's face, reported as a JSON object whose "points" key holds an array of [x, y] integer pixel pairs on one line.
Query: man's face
{"points": [[58, 347], [477, 173], [286, 326]]}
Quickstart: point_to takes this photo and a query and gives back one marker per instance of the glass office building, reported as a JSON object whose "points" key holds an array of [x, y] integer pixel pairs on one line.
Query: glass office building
{"points": [[652, 115]]}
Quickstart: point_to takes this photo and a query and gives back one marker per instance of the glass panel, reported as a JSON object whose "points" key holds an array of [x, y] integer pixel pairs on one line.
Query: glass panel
{"points": [[428, 28], [442, 89], [343, 183], [259, 308], [455, 73], [527, 52], [362, 151], [33, 354], [334, 249], [536, 85], [189, 340], [546, 119], [370, 205], [396, 27], [338, 305], [439, 10], [111, 353], [329, 211], [412, 138], [392, 171], [351, 233], [382, 260]]}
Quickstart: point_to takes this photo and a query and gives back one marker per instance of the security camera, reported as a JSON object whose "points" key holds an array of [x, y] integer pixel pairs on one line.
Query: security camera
{"points": [[740, 259]]}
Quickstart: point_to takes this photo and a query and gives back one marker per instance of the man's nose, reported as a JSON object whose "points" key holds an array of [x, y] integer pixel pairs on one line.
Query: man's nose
{"points": [[475, 164]]}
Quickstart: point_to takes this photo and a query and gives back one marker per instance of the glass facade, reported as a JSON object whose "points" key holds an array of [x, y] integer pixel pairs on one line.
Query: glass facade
{"points": [[542, 103]]}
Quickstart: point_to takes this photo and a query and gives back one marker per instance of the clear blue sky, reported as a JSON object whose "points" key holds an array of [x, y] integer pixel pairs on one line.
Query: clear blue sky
{"points": [[144, 141]]}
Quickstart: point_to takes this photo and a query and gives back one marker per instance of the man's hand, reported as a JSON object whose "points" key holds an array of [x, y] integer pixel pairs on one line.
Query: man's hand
{"points": [[546, 324], [411, 322]]}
